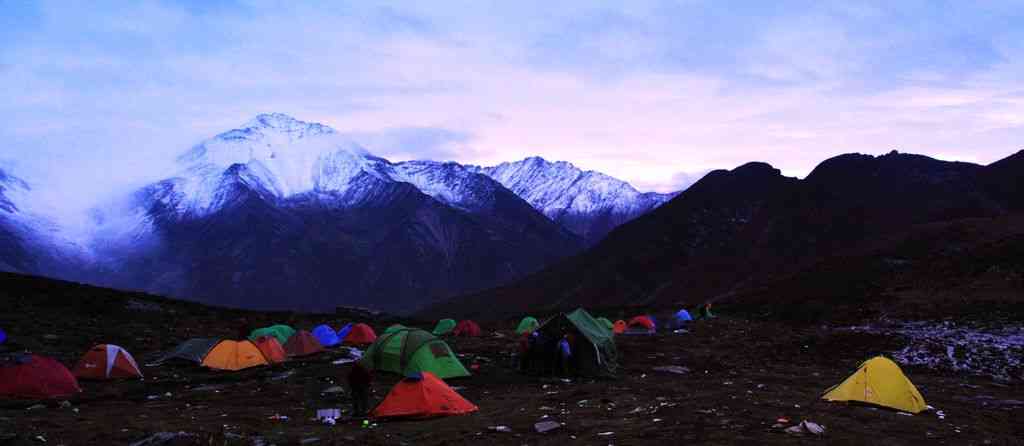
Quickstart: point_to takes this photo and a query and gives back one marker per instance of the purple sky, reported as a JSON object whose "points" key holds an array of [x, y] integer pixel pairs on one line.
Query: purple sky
{"points": [[101, 96]]}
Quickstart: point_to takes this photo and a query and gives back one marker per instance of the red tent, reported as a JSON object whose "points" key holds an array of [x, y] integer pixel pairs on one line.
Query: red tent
{"points": [[106, 361], [422, 396], [271, 349], [620, 327], [466, 328], [361, 334], [36, 377], [643, 322], [302, 343]]}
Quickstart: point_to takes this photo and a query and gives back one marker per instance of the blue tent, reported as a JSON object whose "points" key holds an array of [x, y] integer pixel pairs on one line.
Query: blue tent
{"points": [[326, 336], [3, 337], [344, 331], [683, 315]]}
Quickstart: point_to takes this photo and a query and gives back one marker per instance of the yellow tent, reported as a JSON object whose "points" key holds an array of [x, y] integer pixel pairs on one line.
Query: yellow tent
{"points": [[234, 355], [879, 381]]}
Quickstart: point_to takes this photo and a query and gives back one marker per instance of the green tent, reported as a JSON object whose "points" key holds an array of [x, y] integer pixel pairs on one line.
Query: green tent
{"points": [[527, 325], [394, 328], [412, 350], [443, 327], [281, 332], [595, 353], [606, 323]]}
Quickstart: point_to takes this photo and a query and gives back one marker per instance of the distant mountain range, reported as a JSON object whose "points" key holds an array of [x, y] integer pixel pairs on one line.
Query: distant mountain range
{"points": [[844, 236], [281, 213], [588, 203]]}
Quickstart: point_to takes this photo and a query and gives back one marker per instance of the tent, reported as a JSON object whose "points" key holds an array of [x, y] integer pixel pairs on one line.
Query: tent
{"points": [[343, 331], [194, 350], [620, 327], [394, 328], [606, 324], [443, 327], [880, 382], [107, 361], [360, 334], [683, 315], [281, 332], [271, 349], [326, 336], [640, 325], [527, 325], [679, 320], [422, 395], [413, 350], [594, 354], [466, 328], [303, 344], [3, 337], [36, 377], [234, 356]]}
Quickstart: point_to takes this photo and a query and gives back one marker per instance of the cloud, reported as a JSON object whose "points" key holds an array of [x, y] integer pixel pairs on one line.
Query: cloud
{"points": [[405, 143], [98, 97]]}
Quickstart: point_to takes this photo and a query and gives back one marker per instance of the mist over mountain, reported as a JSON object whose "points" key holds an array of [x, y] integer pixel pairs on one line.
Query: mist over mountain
{"points": [[281, 213]]}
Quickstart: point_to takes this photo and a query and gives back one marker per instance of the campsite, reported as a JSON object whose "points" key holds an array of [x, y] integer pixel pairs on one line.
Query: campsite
{"points": [[724, 381]]}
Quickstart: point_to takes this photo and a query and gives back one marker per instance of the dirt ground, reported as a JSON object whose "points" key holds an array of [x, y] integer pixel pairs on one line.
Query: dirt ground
{"points": [[742, 376]]}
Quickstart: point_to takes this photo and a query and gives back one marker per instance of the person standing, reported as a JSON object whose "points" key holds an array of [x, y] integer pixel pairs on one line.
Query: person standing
{"points": [[359, 381], [565, 355]]}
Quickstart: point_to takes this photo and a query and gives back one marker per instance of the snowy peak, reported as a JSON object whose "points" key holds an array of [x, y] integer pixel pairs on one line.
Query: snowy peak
{"points": [[276, 155], [588, 203], [12, 189]]}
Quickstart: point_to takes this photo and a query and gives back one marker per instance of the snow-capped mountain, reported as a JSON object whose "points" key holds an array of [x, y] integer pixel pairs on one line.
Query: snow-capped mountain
{"points": [[587, 203], [30, 242], [287, 214]]}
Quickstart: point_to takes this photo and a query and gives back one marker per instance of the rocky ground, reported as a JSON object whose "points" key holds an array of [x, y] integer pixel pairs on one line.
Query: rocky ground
{"points": [[740, 375]]}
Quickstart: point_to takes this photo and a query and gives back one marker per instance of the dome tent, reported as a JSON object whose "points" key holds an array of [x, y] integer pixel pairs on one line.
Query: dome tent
{"points": [[303, 343], [194, 350], [467, 328], [640, 325], [234, 355], [36, 377], [413, 350], [527, 325], [360, 334], [326, 336], [443, 327], [879, 381], [107, 361], [281, 332], [595, 353], [271, 349], [422, 395]]}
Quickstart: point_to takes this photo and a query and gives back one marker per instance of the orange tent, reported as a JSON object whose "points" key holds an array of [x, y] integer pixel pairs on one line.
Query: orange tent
{"points": [[271, 349], [620, 327], [302, 343], [234, 355], [361, 334], [106, 361], [466, 328], [422, 395]]}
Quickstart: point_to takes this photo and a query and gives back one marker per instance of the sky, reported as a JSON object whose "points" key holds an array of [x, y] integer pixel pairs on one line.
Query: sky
{"points": [[100, 96]]}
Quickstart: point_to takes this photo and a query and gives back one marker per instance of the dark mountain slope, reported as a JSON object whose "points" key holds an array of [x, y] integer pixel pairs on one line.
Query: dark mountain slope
{"points": [[740, 230]]}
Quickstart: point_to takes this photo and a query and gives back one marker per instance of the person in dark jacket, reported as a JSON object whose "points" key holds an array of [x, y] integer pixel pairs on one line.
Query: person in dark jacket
{"points": [[359, 380]]}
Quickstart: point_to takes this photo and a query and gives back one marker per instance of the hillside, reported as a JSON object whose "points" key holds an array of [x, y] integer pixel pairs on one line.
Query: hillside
{"points": [[751, 228], [739, 376]]}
